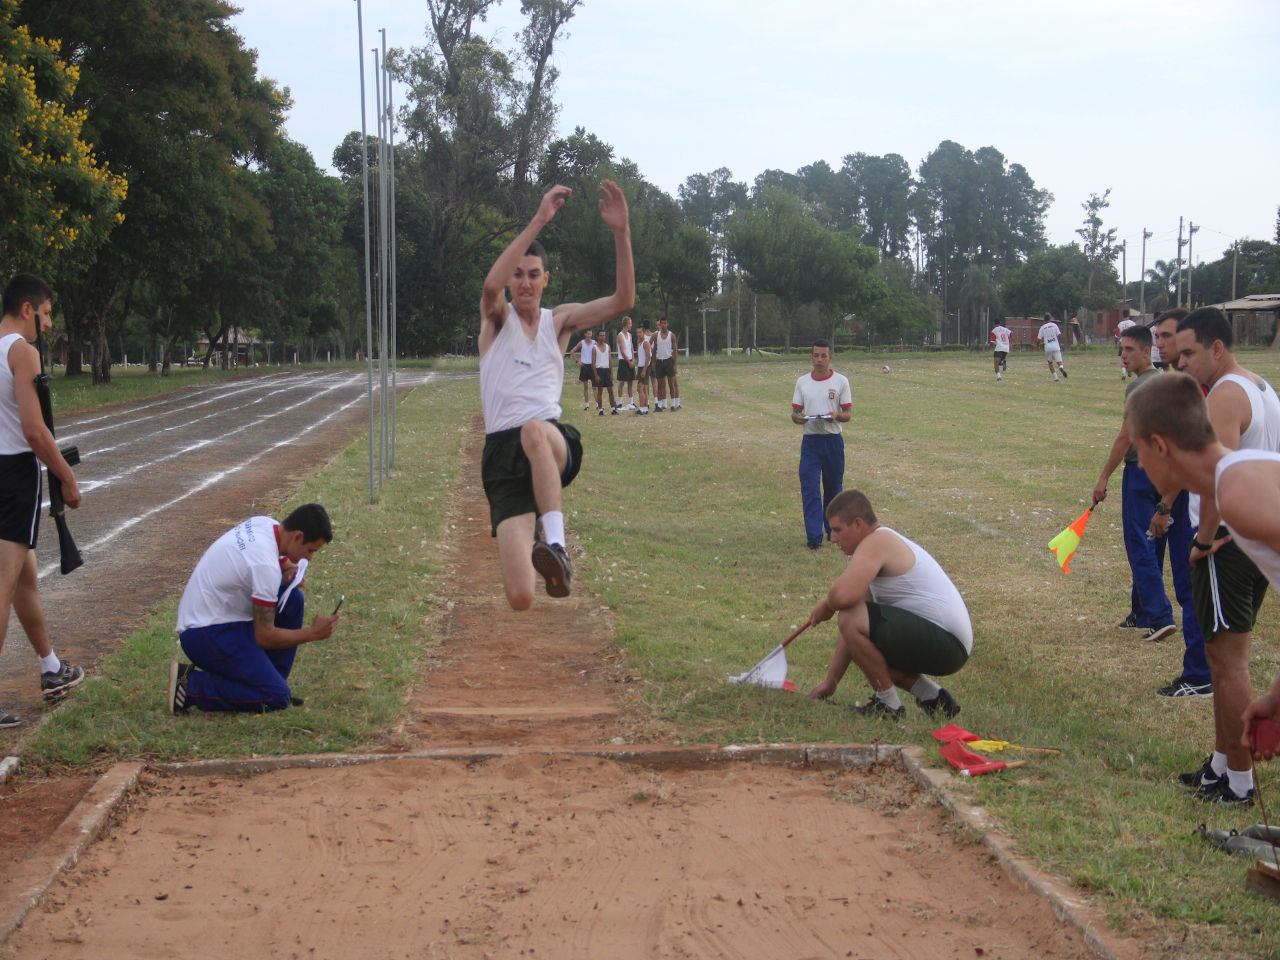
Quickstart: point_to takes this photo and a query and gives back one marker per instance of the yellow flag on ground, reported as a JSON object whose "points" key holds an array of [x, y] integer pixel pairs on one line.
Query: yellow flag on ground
{"points": [[1064, 544]]}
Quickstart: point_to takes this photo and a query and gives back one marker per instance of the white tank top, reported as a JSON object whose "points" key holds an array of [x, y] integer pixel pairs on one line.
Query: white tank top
{"points": [[624, 346], [602, 360], [1263, 432], [521, 378], [1267, 559], [588, 346], [663, 350], [642, 352], [926, 591], [12, 439]]}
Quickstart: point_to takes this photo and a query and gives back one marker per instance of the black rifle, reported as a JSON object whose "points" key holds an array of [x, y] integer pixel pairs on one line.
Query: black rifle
{"points": [[57, 506]]}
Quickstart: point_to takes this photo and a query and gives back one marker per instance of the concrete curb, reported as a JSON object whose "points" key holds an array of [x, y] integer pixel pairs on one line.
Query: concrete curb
{"points": [[86, 820], [66, 844], [1066, 905]]}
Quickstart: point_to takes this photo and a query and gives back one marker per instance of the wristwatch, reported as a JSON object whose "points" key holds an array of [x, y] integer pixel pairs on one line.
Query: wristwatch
{"points": [[1163, 509]]}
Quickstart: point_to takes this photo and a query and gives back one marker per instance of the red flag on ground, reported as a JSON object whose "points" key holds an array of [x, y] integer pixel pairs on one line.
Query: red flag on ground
{"points": [[951, 733], [969, 763]]}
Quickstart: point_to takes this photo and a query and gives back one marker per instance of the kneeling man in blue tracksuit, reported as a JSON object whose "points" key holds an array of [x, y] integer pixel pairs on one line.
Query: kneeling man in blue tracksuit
{"points": [[240, 618]]}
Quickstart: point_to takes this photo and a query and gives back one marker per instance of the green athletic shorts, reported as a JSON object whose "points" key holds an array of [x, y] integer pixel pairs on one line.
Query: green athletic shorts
{"points": [[1240, 587], [507, 477], [912, 644]]}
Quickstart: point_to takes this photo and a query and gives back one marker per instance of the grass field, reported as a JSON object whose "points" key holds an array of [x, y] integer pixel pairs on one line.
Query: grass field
{"points": [[691, 528]]}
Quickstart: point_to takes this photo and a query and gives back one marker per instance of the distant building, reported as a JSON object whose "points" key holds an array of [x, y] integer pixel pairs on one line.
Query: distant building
{"points": [[1253, 319]]}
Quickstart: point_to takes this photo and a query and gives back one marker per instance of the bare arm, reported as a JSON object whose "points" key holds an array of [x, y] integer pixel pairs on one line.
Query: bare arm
{"points": [[25, 364], [1119, 446], [571, 317], [270, 637], [1228, 410]]}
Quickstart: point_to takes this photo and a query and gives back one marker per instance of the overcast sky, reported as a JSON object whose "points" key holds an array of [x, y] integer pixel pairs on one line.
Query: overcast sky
{"points": [[1171, 104]]}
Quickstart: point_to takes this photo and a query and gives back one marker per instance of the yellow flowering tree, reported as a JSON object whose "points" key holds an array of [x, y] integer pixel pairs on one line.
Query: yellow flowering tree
{"points": [[58, 204]]}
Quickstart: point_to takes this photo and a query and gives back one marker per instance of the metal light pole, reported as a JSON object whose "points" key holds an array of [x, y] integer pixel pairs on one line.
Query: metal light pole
{"points": [[368, 280]]}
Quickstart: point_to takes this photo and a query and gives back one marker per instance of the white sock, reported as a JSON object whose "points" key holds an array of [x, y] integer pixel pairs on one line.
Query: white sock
{"points": [[924, 689], [50, 664], [553, 526], [675, 402], [889, 698], [1240, 781], [1218, 762]]}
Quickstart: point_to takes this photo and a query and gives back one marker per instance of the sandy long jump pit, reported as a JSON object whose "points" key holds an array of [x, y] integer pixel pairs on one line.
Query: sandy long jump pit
{"points": [[531, 854]]}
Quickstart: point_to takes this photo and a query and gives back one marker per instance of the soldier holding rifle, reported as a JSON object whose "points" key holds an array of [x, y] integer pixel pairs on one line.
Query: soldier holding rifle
{"points": [[25, 441]]}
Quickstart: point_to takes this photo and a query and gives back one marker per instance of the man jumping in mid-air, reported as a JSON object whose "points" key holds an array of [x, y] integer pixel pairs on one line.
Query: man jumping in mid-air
{"points": [[528, 455]]}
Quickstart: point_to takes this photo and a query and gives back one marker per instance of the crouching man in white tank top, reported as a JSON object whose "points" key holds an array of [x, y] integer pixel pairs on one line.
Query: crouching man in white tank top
{"points": [[900, 616], [528, 455]]}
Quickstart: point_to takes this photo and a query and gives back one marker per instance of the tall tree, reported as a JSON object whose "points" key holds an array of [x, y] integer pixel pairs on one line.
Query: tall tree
{"points": [[172, 101], [60, 202], [882, 189], [975, 209], [475, 119], [788, 253], [1097, 242], [547, 18]]}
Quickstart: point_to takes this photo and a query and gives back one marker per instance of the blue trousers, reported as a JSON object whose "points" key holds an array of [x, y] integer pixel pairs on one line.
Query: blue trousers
{"points": [[1138, 506], [1195, 665], [821, 478], [233, 672]]}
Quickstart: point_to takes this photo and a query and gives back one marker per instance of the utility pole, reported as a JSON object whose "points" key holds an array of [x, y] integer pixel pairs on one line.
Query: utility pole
{"points": [[1179, 303], [1124, 275], [1191, 232], [1235, 256], [1142, 295]]}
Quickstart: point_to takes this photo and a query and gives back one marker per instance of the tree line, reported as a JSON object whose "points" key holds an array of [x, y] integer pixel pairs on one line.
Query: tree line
{"points": [[145, 172]]}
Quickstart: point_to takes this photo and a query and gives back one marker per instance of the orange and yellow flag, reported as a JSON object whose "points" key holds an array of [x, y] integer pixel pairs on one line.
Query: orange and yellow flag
{"points": [[1064, 544]]}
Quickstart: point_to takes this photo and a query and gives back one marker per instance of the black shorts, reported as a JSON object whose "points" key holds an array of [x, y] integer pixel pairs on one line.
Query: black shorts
{"points": [[912, 644], [626, 372], [508, 478], [642, 374], [1239, 587], [604, 377], [662, 369], [1001, 354], [584, 373], [21, 491]]}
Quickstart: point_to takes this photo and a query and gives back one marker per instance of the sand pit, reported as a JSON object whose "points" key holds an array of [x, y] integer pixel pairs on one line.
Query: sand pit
{"points": [[542, 850], [541, 856]]}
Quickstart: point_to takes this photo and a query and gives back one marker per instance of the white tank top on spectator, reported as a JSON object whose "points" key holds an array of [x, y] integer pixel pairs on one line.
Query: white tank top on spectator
{"points": [[663, 350], [12, 439], [1267, 560], [1263, 432], [521, 378]]}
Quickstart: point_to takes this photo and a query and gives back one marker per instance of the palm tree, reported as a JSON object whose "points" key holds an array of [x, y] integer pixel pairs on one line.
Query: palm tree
{"points": [[1164, 277]]}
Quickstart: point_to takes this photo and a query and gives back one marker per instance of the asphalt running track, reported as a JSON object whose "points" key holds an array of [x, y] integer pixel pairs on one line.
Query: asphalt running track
{"points": [[160, 479]]}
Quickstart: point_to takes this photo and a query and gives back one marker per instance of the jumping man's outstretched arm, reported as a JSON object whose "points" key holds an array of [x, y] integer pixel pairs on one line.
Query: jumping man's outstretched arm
{"points": [[571, 317], [493, 301]]}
